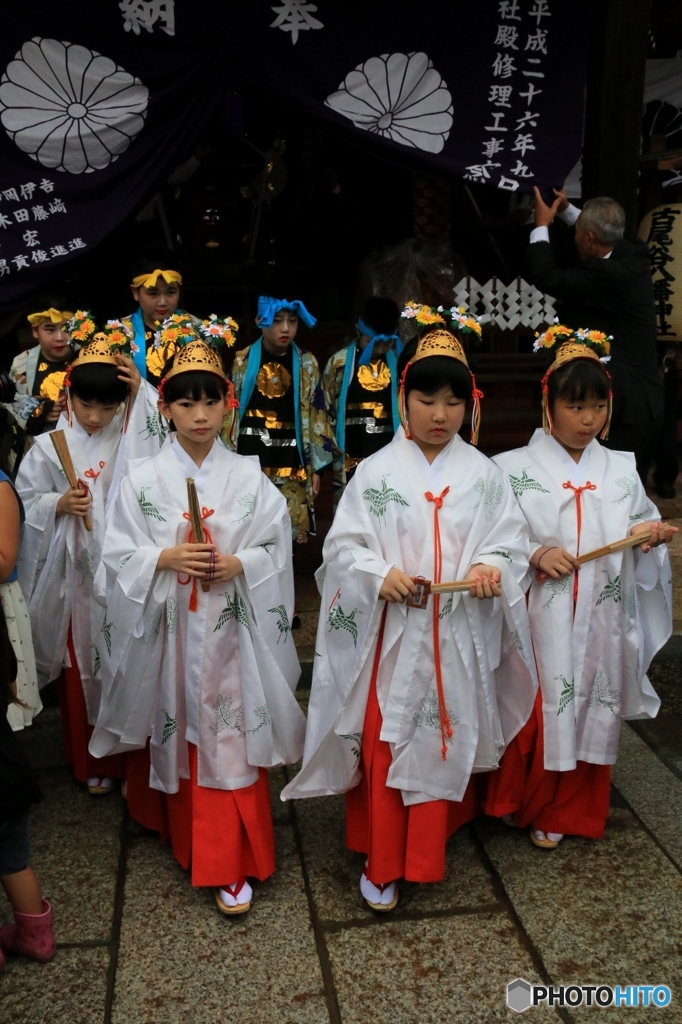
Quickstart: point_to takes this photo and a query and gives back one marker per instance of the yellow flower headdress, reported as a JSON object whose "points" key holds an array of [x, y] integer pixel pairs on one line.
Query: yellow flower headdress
{"points": [[98, 345], [194, 346], [569, 344], [441, 341]]}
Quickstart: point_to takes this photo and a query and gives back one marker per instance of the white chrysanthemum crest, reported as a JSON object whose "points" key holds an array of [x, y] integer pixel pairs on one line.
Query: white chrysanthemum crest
{"points": [[70, 108], [399, 97]]}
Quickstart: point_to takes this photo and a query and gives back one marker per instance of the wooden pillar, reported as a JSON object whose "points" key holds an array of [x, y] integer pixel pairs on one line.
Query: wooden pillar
{"points": [[614, 101]]}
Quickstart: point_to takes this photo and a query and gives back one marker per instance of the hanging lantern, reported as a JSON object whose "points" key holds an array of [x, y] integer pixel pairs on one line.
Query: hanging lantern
{"points": [[661, 229]]}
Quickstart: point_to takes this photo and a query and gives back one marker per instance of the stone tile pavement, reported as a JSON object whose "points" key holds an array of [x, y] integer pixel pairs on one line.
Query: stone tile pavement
{"points": [[138, 945]]}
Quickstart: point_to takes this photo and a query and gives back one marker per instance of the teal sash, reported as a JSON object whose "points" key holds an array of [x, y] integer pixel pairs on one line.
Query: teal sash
{"points": [[392, 363]]}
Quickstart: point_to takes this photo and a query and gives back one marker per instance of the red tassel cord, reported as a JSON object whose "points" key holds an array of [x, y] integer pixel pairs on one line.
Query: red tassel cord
{"points": [[445, 724]]}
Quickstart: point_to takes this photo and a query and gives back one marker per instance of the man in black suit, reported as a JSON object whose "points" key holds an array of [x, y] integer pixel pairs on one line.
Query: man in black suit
{"points": [[611, 291]]}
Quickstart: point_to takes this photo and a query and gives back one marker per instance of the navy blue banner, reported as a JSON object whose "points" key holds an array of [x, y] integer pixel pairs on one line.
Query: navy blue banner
{"points": [[98, 103]]}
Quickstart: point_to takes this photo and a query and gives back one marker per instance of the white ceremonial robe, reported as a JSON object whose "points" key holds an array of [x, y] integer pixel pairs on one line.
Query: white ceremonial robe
{"points": [[223, 676], [592, 661], [59, 557], [489, 683]]}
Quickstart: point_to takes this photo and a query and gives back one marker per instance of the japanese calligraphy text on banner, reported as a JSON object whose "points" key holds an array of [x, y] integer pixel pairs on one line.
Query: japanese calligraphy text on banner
{"points": [[99, 103]]}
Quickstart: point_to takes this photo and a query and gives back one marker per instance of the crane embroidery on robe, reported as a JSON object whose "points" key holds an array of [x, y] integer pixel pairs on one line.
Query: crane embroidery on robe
{"points": [[106, 633], [169, 728], [556, 588], [282, 622], [567, 694], [611, 590], [339, 620], [378, 499], [523, 483], [355, 739], [148, 509], [233, 610]]}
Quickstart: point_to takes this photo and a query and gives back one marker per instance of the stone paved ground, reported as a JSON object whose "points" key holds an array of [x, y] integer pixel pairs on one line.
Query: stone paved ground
{"points": [[138, 945]]}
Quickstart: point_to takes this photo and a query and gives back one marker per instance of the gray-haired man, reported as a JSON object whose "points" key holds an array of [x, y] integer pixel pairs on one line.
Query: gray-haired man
{"points": [[610, 290]]}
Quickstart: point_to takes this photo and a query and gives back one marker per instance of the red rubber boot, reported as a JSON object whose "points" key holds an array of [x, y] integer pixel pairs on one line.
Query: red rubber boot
{"points": [[31, 935]]}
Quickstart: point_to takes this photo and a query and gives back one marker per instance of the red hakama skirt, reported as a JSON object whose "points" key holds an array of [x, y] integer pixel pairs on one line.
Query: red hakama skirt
{"points": [[400, 842], [218, 835], [574, 802], [77, 731]]}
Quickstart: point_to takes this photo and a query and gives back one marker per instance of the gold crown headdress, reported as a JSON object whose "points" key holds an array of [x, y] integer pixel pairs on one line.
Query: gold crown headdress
{"points": [[441, 341], [194, 346], [569, 344], [98, 345]]}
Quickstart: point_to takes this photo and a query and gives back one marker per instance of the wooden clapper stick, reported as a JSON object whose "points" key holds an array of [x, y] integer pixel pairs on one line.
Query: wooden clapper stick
{"points": [[426, 587], [195, 520], [62, 449]]}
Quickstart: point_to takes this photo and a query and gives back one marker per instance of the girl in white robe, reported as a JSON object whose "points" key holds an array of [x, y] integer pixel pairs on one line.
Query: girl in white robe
{"points": [[112, 418], [209, 672], [407, 703], [595, 626]]}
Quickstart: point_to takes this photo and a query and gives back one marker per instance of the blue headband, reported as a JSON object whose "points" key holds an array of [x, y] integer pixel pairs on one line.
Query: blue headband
{"points": [[268, 308], [369, 332]]}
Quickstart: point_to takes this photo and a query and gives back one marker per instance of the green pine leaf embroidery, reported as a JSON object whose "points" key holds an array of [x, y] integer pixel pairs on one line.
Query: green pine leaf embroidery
{"points": [[611, 590], [263, 716], [556, 588], [58, 567], [490, 496], [523, 483], [447, 608], [171, 613], [628, 485], [248, 503], [234, 609], [339, 620], [355, 739], [603, 695], [106, 633], [566, 695], [227, 715], [518, 642], [97, 662], [170, 727], [378, 500], [84, 565], [428, 716], [148, 509], [282, 622], [637, 515]]}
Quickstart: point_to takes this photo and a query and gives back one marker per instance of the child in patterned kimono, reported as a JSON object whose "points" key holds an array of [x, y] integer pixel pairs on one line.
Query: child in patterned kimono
{"points": [[109, 420], [408, 702], [199, 653], [38, 372], [282, 415], [361, 389], [595, 626]]}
